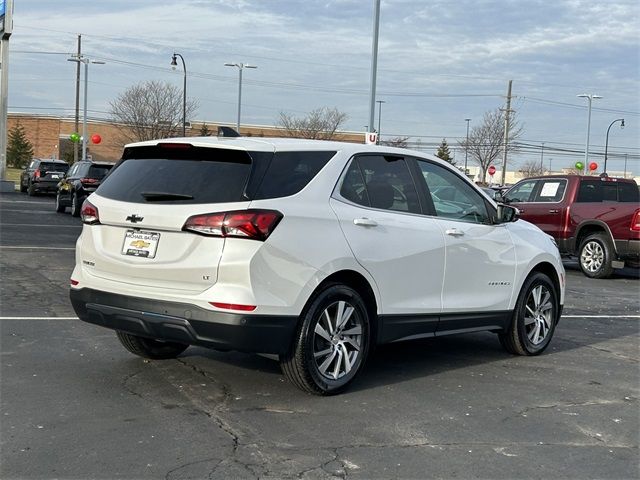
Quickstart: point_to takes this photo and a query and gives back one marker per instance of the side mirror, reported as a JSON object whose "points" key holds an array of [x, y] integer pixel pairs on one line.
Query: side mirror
{"points": [[507, 213]]}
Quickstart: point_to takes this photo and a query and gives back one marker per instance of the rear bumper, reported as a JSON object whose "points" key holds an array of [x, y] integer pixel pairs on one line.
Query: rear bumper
{"points": [[185, 323], [45, 186], [628, 248]]}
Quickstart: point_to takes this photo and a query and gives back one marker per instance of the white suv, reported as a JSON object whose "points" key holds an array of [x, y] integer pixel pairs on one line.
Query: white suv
{"points": [[314, 251]]}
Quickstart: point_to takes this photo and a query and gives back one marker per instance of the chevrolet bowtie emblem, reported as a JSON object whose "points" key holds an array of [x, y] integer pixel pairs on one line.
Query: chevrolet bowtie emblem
{"points": [[134, 218]]}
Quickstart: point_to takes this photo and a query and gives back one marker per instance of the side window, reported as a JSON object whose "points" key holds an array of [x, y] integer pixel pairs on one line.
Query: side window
{"points": [[590, 191], [522, 192], [72, 171], [290, 172], [464, 204], [551, 191], [628, 192], [382, 182], [33, 165]]}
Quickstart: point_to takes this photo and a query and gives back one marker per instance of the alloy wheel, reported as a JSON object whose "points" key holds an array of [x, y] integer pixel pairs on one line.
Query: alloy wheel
{"points": [[538, 317], [592, 256], [337, 341]]}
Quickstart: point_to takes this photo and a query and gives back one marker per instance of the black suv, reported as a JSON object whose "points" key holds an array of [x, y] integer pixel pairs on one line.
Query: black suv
{"points": [[82, 179], [42, 175]]}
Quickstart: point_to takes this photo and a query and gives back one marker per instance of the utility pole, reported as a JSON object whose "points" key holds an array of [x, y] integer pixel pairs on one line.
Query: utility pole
{"points": [[542, 159], [77, 120], [6, 27], [625, 165], [507, 112], [374, 65]]}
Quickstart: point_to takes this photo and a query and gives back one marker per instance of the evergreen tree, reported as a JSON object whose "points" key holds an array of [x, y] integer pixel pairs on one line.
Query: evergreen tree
{"points": [[204, 131], [19, 148], [444, 153]]}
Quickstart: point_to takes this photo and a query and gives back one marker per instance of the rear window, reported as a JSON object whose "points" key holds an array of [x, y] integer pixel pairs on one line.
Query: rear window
{"points": [[53, 167], [607, 191], [178, 175], [98, 171]]}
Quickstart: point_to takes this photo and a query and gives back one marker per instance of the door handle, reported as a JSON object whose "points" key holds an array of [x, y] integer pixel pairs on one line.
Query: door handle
{"points": [[365, 222], [454, 232], [553, 211]]}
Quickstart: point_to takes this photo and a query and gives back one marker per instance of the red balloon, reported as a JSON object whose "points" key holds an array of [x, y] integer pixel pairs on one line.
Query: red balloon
{"points": [[492, 170], [96, 138], [593, 166]]}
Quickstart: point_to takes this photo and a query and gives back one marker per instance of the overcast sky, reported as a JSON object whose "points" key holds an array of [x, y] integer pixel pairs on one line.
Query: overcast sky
{"points": [[439, 63]]}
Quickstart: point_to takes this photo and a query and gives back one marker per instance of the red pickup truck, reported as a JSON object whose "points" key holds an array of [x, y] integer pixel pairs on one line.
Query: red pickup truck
{"points": [[596, 219]]}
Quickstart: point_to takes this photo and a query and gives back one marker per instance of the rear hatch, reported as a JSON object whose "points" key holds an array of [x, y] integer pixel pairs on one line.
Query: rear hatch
{"points": [[52, 172], [143, 205]]}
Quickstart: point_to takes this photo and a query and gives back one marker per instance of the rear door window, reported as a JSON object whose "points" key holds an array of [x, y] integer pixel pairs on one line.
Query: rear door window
{"points": [[551, 191], [590, 191], [383, 182], [628, 192]]}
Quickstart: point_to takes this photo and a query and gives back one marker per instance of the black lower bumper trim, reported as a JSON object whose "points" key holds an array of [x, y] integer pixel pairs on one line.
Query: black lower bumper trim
{"points": [[185, 323]]}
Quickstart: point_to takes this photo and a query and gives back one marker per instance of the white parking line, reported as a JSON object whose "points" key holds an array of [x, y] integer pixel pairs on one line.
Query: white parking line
{"points": [[600, 316], [9, 247], [38, 318], [39, 225]]}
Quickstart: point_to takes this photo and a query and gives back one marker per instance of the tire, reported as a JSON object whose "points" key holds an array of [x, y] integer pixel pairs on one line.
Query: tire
{"points": [[76, 205], [149, 348], [595, 256], [334, 326], [23, 188], [59, 207], [31, 190], [534, 318]]}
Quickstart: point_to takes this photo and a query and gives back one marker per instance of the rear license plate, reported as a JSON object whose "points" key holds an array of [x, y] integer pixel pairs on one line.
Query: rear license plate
{"points": [[140, 244], [55, 176]]}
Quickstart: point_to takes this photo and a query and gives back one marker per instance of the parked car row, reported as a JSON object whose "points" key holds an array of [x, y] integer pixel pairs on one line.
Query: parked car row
{"points": [[71, 185]]}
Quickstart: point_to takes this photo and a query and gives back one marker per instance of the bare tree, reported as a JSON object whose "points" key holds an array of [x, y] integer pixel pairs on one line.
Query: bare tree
{"points": [[400, 142], [531, 168], [150, 110], [319, 124], [486, 141]]}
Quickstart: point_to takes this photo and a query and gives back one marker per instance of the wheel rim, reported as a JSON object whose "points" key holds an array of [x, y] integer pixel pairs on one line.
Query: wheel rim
{"points": [[337, 340], [592, 257], [538, 316]]}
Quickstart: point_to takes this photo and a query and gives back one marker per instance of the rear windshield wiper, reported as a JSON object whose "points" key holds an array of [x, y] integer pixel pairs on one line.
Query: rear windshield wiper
{"points": [[164, 196]]}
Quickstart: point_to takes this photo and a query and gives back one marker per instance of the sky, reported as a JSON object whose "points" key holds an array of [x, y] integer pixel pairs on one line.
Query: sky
{"points": [[439, 62]]}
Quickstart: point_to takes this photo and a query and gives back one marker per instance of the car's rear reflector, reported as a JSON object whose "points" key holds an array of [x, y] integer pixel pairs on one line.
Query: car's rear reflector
{"points": [[88, 181], [252, 224], [233, 306], [89, 213]]}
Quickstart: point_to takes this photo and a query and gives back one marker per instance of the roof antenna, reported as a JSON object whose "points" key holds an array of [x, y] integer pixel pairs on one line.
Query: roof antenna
{"points": [[227, 132]]}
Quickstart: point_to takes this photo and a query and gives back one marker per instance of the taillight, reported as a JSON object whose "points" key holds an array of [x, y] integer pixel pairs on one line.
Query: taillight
{"points": [[88, 181], [635, 221], [36, 174], [253, 224], [89, 213], [74, 283]]}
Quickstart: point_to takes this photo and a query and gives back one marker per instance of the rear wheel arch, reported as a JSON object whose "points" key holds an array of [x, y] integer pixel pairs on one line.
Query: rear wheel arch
{"points": [[587, 229], [360, 284]]}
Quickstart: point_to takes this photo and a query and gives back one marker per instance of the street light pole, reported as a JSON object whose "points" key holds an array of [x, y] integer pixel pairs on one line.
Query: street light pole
{"points": [[466, 147], [542, 159], [240, 66], [590, 97], [606, 145], [174, 64], [380, 102], [86, 61]]}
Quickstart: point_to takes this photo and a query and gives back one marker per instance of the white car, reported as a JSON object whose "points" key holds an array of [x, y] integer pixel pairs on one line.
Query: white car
{"points": [[314, 251]]}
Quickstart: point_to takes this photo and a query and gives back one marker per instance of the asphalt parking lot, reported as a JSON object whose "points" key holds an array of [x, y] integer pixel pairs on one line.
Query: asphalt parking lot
{"points": [[75, 404]]}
